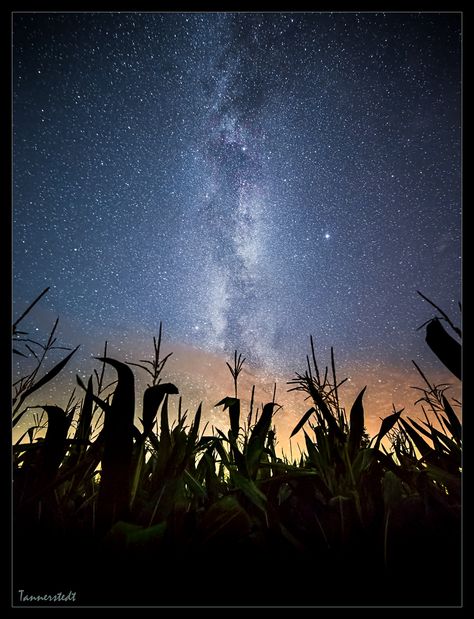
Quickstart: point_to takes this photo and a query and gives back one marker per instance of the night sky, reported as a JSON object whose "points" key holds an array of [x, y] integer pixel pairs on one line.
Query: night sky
{"points": [[247, 178]]}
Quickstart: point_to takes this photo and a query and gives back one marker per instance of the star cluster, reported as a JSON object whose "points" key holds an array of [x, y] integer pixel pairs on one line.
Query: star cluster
{"points": [[247, 178]]}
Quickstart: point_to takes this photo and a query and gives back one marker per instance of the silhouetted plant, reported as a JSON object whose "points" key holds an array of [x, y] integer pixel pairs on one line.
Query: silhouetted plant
{"points": [[445, 347], [236, 369], [29, 383], [171, 490], [156, 364]]}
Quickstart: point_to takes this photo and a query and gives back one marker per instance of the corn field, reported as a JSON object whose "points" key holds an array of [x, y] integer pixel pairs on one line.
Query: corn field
{"points": [[160, 511]]}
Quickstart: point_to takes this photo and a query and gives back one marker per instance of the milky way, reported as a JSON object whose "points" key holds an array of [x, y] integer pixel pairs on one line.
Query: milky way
{"points": [[231, 224], [248, 179]]}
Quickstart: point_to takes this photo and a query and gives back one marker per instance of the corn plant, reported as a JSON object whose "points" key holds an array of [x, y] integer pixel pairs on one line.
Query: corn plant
{"points": [[164, 491]]}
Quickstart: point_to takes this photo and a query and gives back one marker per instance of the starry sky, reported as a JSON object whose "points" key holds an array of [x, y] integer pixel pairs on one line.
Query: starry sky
{"points": [[246, 178]]}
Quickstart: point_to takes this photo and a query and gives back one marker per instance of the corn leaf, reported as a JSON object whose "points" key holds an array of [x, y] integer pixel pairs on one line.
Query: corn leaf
{"points": [[386, 426], [356, 425], [193, 432], [454, 423], [445, 347], [114, 495], [233, 404], [54, 445], [257, 438], [302, 421], [85, 418], [328, 416], [46, 378], [419, 442], [152, 399]]}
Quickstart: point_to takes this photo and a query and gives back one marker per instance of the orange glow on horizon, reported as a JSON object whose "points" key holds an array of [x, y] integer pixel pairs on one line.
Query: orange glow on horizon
{"points": [[202, 376]]}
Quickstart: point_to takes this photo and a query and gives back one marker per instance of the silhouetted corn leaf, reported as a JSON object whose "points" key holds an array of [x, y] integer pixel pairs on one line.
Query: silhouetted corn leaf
{"points": [[81, 471], [29, 308], [454, 424], [226, 402], [356, 425], [43, 459], [152, 399], [386, 426], [302, 421], [445, 347], [19, 416], [233, 404], [222, 453], [257, 438], [238, 456], [429, 434], [447, 449], [328, 416], [457, 330], [178, 458], [222, 435], [165, 436], [114, 492], [423, 447], [193, 432], [105, 406], [46, 378], [30, 432], [312, 452], [54, 445], [165, 447], [447, 443], [85, 418]]}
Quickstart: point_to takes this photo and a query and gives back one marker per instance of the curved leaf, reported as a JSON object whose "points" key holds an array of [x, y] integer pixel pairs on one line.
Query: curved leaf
{"points": [[334, 429], [233, 404], [302, 421], [444, 346], [46, 378], [152, 399], [85, 419], [356, 425], [386, 426], [257, 438], [193, 432], [454, 424], [29, 308], [114, 492], [54, 445], [423, 447], [17, 352]]}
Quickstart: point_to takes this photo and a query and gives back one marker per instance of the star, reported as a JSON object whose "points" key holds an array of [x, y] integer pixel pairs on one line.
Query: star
{"points": [[182, 166]]}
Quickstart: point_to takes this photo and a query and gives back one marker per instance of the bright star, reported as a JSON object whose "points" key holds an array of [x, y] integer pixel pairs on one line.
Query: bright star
{"points": [[327, 235]]}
